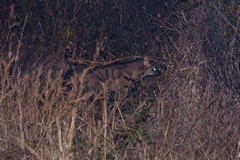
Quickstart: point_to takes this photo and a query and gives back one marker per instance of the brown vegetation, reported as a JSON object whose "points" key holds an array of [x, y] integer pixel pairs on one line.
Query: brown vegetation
{"points": [[190, 112]]}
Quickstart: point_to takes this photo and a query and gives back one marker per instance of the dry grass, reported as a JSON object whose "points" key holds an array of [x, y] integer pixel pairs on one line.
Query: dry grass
{"points": [[190, 112]]}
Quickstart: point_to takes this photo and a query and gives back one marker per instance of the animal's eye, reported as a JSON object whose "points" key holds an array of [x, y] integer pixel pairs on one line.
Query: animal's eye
{"points": [[154, 69]]}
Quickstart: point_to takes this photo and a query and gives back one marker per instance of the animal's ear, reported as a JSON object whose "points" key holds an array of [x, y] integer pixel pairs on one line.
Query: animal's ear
{"points": [[146, 62]]}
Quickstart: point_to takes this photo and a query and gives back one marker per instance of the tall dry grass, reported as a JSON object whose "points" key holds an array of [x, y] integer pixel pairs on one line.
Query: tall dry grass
{"points": [[32, 111], [190, 112]]}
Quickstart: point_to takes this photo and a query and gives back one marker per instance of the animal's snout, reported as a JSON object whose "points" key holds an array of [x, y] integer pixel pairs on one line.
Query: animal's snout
{"points": [[156, 71], [159, 69]]}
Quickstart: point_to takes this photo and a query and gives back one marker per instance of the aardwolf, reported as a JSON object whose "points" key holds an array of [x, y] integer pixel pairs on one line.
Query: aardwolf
{"points": [[117, 77]]}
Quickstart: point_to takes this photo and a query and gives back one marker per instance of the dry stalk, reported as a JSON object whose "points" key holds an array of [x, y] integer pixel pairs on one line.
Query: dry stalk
{"points": [[105, 118], [21, 123], [20, 41], [99, 46], [59, 131], [238, 150], [72, 129]]}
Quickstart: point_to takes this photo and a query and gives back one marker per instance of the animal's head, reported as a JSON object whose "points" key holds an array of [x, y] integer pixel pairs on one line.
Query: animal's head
{"points": [[152, 68], [144, 68]]}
